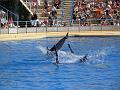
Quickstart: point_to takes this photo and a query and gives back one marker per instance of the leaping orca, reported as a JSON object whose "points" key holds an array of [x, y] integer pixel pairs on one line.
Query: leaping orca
{"points": [[54, 50], [58, 45]]}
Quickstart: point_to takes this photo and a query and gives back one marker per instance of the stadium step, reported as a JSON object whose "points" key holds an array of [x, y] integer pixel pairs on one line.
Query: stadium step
{"points": [[67, 7], [29, 5]]}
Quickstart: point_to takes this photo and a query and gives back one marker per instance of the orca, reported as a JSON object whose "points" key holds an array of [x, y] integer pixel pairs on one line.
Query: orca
{"points": [[84, 59], [59, 45], [56, 47], [54, 50]]}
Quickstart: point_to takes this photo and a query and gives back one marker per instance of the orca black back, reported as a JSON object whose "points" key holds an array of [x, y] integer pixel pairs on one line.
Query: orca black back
{"points": [[59, 45]]}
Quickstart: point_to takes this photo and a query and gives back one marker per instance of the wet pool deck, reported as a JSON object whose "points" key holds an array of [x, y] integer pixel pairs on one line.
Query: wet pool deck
{"points": [[25, 36]]}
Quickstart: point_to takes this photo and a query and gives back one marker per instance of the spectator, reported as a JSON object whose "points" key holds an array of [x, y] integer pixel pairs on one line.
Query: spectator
{"points": [[3, 19], [34, 20], [46, 4], [46, 9], [4, 23], [74, 17], [57, 3], [34, 3], [54, 12], [44, 13], [50, 20], [10, 22], [38, 2]]}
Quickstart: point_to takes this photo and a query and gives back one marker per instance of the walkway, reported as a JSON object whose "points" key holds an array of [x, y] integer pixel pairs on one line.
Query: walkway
{"points": [[25, 36]]}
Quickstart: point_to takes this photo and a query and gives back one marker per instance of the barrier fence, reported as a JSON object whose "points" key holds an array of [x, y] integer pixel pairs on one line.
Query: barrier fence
{"points": [[59, 26]]}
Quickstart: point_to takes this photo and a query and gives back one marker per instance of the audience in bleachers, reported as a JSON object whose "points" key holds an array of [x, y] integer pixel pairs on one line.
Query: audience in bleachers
{"points": [[5, 21], [97, 9], [104, 12], [50, 12], [48, 9]]}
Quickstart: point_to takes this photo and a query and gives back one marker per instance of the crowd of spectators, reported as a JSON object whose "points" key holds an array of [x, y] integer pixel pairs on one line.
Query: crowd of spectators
{"points": [[48, 10], [4, 21], [85, 12], [104, 10]]}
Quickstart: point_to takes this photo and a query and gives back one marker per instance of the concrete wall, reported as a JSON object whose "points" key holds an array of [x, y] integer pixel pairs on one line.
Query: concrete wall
{"points": [[56, 29]]}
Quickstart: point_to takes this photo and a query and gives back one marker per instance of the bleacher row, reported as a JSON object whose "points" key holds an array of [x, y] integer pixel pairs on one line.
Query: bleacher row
{"points": [[97, 9], [43, 7], [84, 12]]}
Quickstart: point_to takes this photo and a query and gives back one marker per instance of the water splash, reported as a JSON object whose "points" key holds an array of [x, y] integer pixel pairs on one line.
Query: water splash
{"points": [[95, 57], [64, 57], [42, 49], [98, 57], [68, 57]]}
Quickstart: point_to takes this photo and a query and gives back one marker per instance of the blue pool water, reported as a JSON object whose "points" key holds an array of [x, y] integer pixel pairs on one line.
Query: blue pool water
{"points": [[25, 66]]}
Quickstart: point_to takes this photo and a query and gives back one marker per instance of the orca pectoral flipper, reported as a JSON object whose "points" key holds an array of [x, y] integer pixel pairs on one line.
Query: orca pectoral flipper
{"points": [[70, 48]]}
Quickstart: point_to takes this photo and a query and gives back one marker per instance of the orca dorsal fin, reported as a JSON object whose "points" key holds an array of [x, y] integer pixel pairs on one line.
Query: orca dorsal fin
{"points": [[66, 36]]}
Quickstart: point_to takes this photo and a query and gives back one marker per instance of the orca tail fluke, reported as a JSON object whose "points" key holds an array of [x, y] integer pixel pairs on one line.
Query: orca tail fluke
{"points": [[67, 34]]}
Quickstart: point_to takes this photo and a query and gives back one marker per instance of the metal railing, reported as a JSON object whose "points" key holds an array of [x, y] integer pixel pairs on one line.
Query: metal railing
{"points": [[88, 25], [9, 12]]}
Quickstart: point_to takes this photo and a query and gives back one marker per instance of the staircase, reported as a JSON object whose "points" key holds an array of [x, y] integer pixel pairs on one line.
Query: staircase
{"points": [[38, 8], [68, 10]]}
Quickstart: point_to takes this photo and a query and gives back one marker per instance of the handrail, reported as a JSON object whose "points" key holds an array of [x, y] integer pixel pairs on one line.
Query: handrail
{"points": [[9, 11], [25, 27]]}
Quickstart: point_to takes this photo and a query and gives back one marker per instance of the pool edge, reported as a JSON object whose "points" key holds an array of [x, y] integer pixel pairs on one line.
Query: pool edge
{"points": [[26, 36]]}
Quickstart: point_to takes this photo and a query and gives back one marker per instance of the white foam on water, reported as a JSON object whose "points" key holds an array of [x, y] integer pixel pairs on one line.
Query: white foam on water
{"points": [[42, 49], [64, 57], [96, 57], [68, 57]]}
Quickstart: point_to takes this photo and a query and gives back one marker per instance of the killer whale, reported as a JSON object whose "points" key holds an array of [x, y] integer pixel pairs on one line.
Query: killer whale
{"points": [[59, 44], [56, 47], [84, 59]]}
